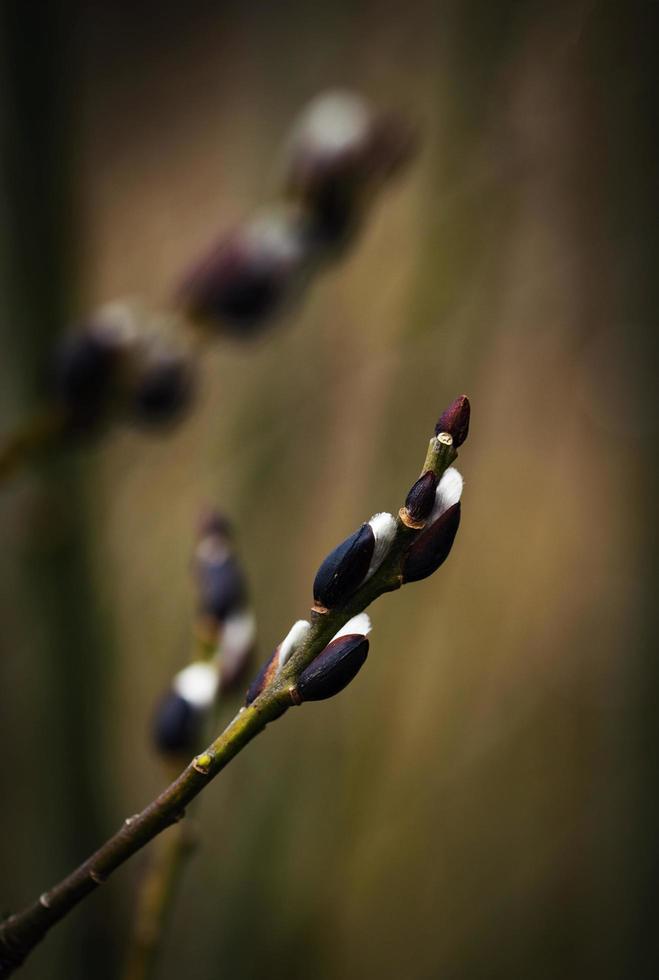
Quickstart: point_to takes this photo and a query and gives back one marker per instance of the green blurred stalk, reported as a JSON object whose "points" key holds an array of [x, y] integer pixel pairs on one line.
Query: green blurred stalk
{"points": [[57, 653]]}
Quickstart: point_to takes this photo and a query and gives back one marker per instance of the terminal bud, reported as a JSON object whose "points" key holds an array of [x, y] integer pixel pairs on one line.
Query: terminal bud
{"points": [[455, 420]]}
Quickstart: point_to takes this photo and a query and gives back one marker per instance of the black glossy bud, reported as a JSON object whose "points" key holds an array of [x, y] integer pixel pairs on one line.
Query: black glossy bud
{"points": [[455, 420], [344, 569], [263, 678], [421, 498], [333, 669], [163, 389], [177, 725], [221, 586], [432, 547], [250, 275], [84, 376]]}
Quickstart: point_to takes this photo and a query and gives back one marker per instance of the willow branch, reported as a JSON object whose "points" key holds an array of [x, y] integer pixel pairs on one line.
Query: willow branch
{"points": [[157, 894], [21, 932], [161, 880]]}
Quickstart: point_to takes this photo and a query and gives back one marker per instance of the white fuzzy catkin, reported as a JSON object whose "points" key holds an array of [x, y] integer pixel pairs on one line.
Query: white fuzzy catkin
{"points": [[197, 684], [333, 122], [237, 639], [449, 491], [384, 528], [295, 636], [211, 551], [273, 234], [361, 623]]}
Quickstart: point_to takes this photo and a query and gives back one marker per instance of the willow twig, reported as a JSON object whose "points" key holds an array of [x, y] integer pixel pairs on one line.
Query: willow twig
{"points": [[21, 932], [222, 605], [157, 894]]}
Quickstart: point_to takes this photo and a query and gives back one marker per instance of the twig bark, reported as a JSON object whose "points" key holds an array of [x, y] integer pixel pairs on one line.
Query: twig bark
{"points": [[21, 932]]}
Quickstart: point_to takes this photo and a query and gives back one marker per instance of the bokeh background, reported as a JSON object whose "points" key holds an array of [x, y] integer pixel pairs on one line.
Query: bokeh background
{"points": [[482, 801]]}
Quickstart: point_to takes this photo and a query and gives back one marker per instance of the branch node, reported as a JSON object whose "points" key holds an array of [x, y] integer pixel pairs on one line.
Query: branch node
{"points": [[44, 901], [97, 876], [202, 763]]}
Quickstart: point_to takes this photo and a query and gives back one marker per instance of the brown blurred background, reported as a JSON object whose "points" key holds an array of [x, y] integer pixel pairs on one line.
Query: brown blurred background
{"points": [[482, 802]]}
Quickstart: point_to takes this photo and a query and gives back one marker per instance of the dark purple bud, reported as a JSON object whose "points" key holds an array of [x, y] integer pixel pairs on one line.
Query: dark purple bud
{"points": [[85, 370], [344, 569], [333, 669], [432, 547], [421, 498], [163, 389], [177, 724], [340, 151], [221, 585], [455, 420], [250, 275], [263, 678], [335, 214]]}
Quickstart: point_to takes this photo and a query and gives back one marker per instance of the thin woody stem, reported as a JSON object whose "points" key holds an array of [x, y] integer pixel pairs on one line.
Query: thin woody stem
{"points": [[157, 889], [157, 893], [23, 930]]}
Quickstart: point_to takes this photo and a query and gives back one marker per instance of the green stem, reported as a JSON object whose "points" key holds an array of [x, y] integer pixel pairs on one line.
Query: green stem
{"points": [[157, 889], [22, 931]]}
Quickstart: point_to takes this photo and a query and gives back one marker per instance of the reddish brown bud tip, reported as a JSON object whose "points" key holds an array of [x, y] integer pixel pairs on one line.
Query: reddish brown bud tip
{"points": [[334, 668], [432, 547], [421, 498], [455, 420]]}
